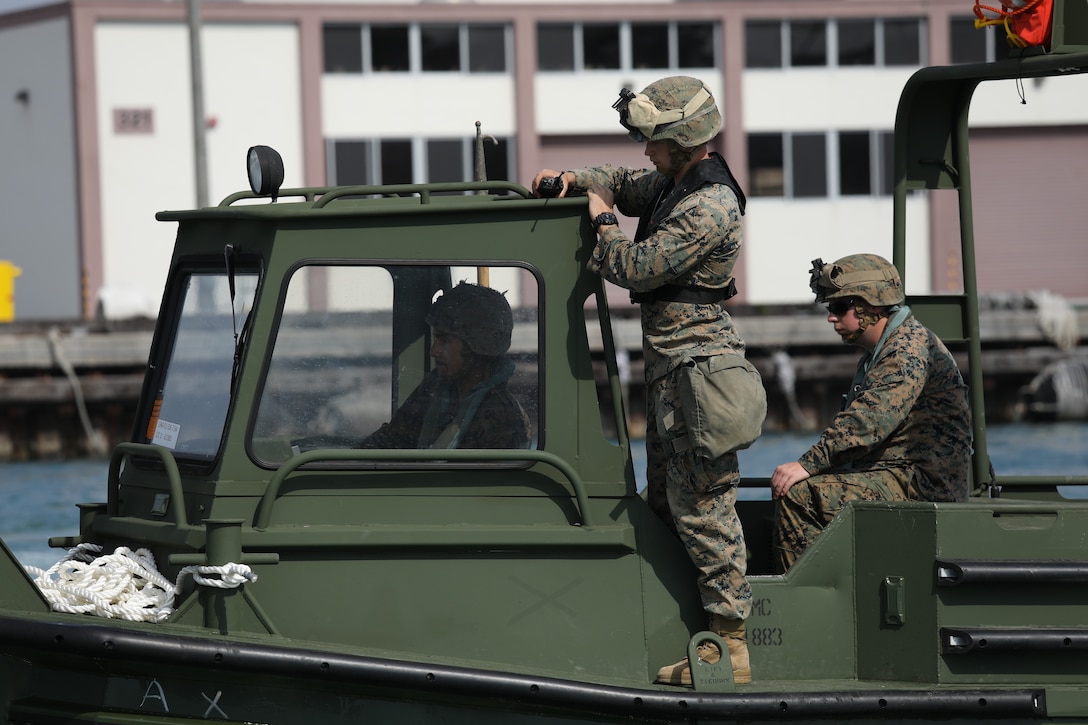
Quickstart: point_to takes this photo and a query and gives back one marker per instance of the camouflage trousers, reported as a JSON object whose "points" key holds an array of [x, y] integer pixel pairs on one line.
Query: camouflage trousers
{"points": [[695, 497], [810, 505]]}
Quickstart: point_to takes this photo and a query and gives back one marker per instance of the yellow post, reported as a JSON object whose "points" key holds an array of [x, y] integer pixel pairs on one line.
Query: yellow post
{"points": [[8, 273]]}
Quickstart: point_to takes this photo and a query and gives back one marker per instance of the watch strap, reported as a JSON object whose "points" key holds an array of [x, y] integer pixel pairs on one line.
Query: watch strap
{"points": [[605, 217]]}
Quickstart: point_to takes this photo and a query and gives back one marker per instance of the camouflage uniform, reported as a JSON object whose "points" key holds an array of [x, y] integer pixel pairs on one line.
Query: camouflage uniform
{"points": [[693, 243], [490, 416], [903, 434]]}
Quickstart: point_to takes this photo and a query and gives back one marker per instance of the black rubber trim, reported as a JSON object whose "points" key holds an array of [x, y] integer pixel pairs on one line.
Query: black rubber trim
{"points": [[952, 573], [502, 691], [965, 640]]}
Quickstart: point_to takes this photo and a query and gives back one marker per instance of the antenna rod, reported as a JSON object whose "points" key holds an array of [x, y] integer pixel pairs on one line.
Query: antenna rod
{"points": [[200, 158]]}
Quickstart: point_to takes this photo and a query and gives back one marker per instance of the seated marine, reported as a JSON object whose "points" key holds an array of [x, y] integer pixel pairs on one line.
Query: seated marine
{"points": [[464, 401], [903, 433]]}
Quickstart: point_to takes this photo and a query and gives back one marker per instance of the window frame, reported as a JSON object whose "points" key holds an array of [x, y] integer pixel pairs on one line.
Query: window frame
{"points": [[577, 62], [832, 47], [264, 443], [373, 152], [880, 152], [413, 58]]}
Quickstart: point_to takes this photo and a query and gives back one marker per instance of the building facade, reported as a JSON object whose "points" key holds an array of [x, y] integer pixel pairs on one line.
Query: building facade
{"points": [[96, 107]]}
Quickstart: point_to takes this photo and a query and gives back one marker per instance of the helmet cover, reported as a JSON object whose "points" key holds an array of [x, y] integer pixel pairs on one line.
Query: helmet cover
{"points": [[680, 108], [869, 277], [478, 315]]}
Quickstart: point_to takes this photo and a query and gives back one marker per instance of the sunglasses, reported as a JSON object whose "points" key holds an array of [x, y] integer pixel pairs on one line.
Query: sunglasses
{"points": [[838, 308]]}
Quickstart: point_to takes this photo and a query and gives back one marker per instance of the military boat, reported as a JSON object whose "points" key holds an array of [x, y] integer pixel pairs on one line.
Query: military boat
{"points": [[251, 563]]}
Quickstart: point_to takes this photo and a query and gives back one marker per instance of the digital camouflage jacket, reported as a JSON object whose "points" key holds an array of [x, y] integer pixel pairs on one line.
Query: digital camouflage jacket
{"points": [[908, 410], [694, 242]]}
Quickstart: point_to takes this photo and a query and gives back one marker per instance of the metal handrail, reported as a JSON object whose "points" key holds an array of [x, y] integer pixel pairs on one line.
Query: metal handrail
{"points": [[424, 190], [320, 196], [173, 476], [263, 513]]}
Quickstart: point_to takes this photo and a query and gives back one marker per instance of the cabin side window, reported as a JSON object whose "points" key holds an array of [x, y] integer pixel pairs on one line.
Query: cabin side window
{"points": [[190, 408], [369, 357]]}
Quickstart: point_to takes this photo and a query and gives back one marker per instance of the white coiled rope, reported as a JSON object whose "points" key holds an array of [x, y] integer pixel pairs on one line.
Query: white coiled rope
{"points": [[124, 584]]}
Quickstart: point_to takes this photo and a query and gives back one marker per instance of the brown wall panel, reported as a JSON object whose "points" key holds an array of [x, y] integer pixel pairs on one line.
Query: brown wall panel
{"points": [[1030, 229]]}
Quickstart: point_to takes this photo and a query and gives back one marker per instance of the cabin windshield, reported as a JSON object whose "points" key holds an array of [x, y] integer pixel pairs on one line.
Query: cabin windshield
{"points": [[195, 387], [353, 365]]}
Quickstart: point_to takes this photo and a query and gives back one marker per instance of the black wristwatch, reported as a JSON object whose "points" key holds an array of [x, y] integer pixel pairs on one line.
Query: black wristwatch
{"points": [[605, 217]]}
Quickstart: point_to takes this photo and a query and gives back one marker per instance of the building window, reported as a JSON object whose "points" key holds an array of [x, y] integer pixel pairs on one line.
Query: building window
{"points": [[695, 45], [855, 166], [555, 46], [486, 49], [389, 48], [649, 45], [439, 48], [414, 161], [857, 42], [425, 47], [885, 172], [766, 165], [622, 46], [445, 160], [350, 163], [763, 44], [808, 165], [808, 43], [970, 44], [395, 159], [601, 46], [903, 42], [798, 165], [343, 46], [845, 42]]}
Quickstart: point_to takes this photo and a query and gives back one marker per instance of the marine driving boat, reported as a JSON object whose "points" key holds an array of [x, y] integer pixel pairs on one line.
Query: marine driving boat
{"points": [[279, 573]]}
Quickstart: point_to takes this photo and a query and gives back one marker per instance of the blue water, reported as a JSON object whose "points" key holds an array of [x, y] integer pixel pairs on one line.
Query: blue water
{"points": [[38, 499]]}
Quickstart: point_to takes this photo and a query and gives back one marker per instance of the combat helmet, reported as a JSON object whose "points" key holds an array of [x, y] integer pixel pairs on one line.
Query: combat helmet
{"points": [[678, 108], [867, 276], [478, 315]]}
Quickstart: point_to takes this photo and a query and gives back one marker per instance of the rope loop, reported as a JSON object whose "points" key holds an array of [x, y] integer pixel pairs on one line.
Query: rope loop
{"points": [[231, 575], [124, 584]]}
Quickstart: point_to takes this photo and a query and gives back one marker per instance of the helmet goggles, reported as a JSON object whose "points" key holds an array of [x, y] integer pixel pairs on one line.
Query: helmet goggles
{"points": [[643, 119]]}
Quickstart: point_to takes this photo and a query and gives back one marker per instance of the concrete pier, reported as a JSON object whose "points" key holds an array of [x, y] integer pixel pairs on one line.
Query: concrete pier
{"points": [[71, 390]]}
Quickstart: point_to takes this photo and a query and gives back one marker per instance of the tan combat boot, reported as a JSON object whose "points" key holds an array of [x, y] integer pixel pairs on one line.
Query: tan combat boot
{"points": [[736, 639], [730, 630]]}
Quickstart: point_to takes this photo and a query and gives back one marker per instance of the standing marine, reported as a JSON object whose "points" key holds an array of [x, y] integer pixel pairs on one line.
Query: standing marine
{"points": [[904, 430], [704, 400]]}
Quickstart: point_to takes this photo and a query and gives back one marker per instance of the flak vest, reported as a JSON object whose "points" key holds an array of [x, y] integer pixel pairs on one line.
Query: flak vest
{"points": [[713, 170]]}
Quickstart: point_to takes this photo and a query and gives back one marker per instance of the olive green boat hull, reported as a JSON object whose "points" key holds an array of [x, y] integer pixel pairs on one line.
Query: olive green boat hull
{"points": [[537, 586]]}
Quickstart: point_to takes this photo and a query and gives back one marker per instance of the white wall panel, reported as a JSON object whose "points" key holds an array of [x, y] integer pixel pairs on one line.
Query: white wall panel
{"points": [[818, 99], [253, 91], [782, 238], [387, 105], [582, 103], [251, 88]]}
